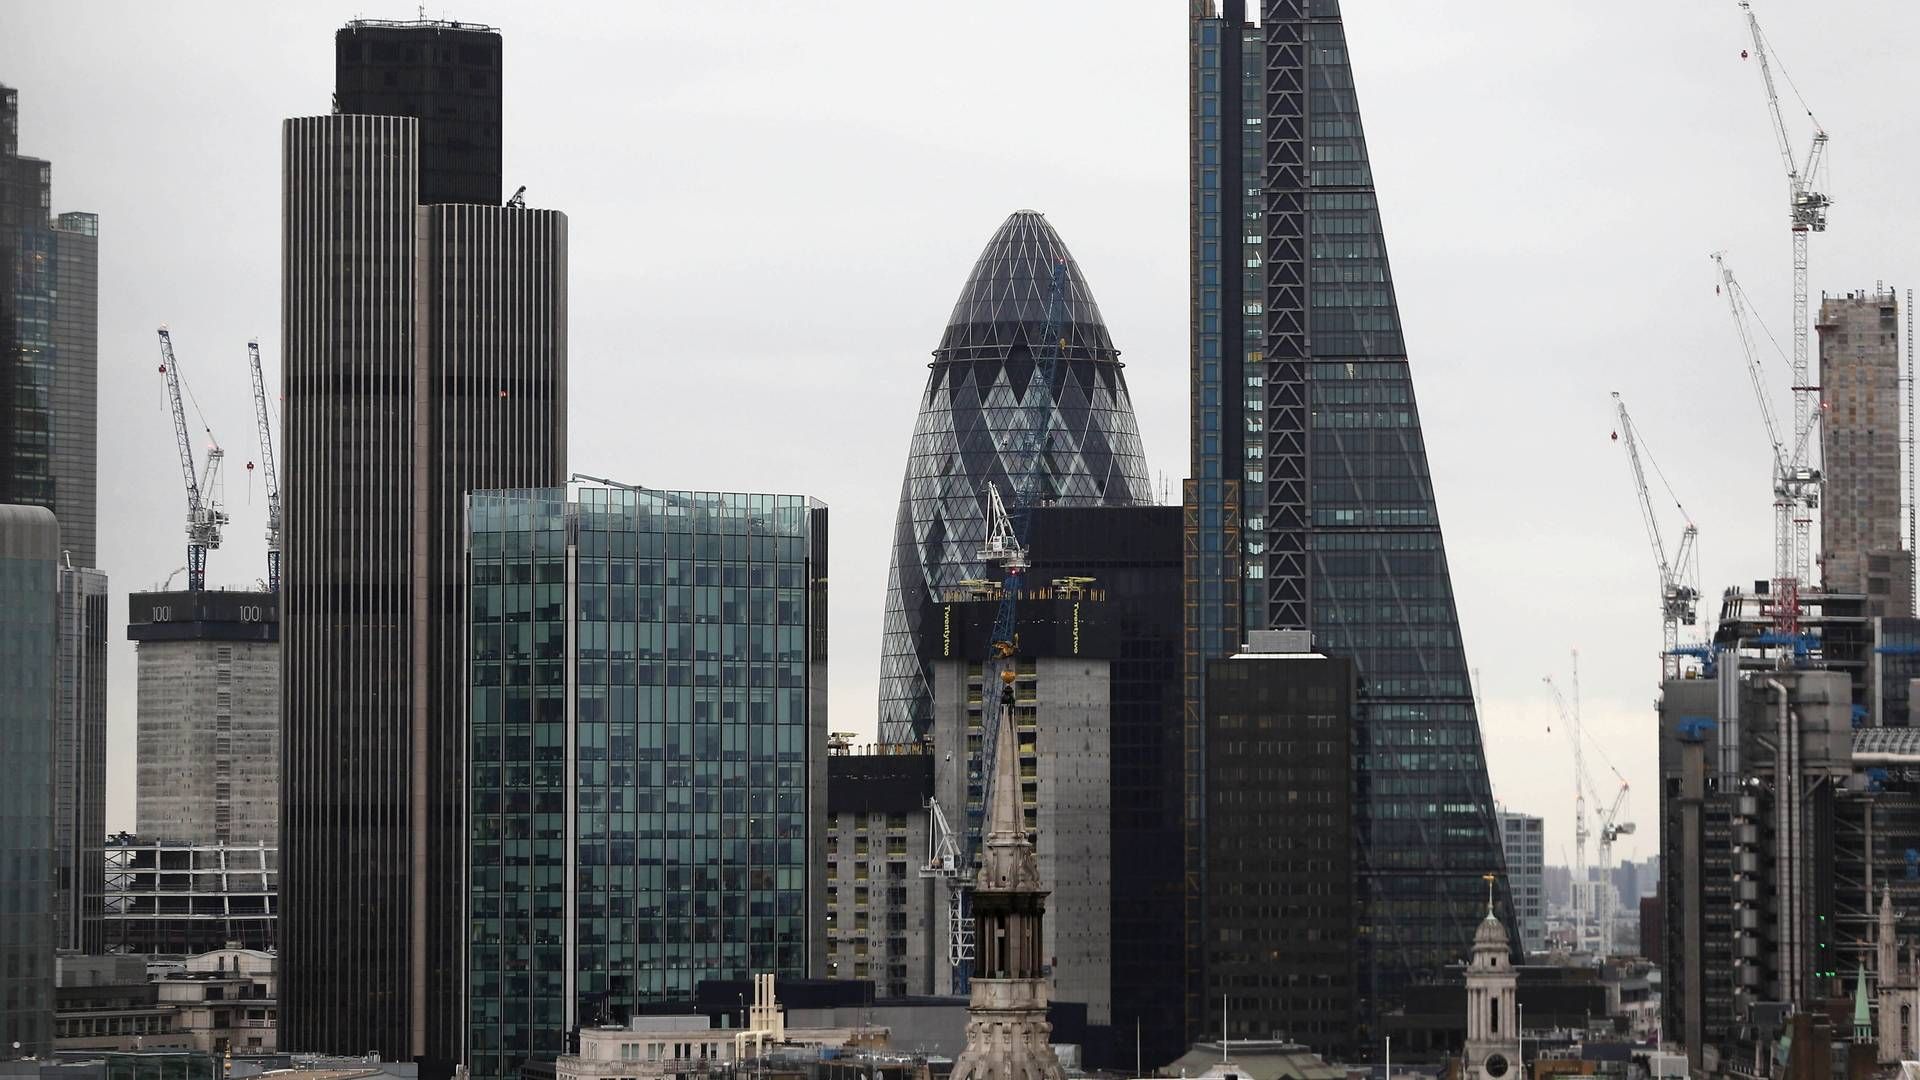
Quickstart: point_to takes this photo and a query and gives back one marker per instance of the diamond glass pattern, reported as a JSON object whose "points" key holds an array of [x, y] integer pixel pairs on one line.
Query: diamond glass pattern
{"points": [[970, 423]]}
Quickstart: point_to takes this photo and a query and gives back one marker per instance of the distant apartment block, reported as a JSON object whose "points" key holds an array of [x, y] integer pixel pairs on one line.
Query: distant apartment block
{"points": [[1524, 837]]}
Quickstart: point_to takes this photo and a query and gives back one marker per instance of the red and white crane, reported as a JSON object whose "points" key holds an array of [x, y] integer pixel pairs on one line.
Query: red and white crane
{"points": [[1797, 485]]}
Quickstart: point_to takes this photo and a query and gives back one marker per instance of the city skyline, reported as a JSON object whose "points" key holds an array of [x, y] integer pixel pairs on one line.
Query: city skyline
{"points": [[1484, 317]]}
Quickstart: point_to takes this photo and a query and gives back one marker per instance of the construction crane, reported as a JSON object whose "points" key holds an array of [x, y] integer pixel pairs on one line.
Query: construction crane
{"points": [[1796, 484], [1589, 905], [1006, 547], [1679, 575], [205, 514], [270, 475], [944, 862], [1806, 214], [1570, 720], [1611, 829]]}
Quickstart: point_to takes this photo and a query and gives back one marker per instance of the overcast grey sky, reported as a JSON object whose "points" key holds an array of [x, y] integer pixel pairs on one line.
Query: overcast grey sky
{"points": [[773, 206]]}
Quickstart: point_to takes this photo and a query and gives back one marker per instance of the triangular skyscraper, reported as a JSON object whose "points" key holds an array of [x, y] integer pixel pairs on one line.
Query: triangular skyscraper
{"points": [[1310, 504]]}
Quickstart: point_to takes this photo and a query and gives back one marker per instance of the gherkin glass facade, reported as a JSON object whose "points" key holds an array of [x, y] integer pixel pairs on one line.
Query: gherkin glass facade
{"points": [[1311, 504], [970, 432]]}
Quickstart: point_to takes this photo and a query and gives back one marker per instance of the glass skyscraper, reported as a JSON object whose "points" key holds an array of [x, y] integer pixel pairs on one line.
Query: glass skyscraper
{"points": [[647, 754], [49, 344], [969, 431], [29, 705], [1310, 504]]}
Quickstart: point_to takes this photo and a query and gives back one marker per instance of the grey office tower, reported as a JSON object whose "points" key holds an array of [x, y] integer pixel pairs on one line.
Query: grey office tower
{"points": [[425, 349], [1309, 505]]}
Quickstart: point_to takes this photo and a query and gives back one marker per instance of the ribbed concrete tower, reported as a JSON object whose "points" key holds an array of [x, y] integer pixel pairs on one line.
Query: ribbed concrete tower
{"points": [[1007, 1024], [970, 419]]}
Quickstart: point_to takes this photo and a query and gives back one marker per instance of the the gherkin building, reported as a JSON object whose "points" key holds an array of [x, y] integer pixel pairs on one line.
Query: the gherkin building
{"points": [[969, 431]]}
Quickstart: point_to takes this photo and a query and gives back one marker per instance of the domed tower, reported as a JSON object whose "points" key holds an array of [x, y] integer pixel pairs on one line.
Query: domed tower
{"points": [[1493, 1020], [968, 431]]}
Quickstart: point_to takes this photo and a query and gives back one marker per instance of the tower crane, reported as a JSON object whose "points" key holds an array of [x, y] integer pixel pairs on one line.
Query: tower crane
{"points": [[1006, 547], [1806, 214], [1570, 720], [1589, 900], [205, 514], [1611, 829], [1796, 483], [270, 475], [1679, 575]]}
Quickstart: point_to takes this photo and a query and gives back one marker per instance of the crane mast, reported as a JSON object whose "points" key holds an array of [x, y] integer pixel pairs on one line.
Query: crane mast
{"points": [[1611, 829], [270, 475], [205, 515], [1806, 214], [1796, 485], [1679, 595], [1006, 547], [1570, 719]]}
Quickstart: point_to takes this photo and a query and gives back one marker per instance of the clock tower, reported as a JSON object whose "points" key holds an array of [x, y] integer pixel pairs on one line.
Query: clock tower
{"points": [[1493, 1020]]}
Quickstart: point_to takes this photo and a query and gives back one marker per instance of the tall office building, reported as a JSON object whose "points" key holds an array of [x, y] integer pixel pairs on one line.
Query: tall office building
{"points": [[425, 355], [80, 764], [1861, 519], [207, 722], [49, 397], [1310, 505], [648, 754], [1099, 628], [49, 331], [969, 430], [1523, 838], [1279, 898], [29, 704]]}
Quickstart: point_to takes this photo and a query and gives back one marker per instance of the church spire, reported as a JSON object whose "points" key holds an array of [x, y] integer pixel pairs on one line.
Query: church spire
{"points": [[1862, 1014], [1007, 1026]]}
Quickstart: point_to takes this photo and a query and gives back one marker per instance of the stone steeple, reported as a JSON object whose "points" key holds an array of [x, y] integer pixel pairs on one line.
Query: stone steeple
{"points": [[1493, 1048], [1007, 1025]]}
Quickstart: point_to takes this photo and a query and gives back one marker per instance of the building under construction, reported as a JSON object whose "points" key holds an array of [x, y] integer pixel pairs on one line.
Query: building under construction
{"points": [[1860, 508]]}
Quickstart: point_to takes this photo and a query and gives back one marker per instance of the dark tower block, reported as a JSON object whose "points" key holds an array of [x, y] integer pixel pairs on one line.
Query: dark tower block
{"points": [[425, 357], [445, 75]]}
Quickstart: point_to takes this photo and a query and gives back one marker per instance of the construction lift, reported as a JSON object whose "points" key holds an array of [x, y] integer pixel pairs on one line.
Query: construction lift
{"points": [[270, 475], [1797, 484], [1005, 547], [1679, 574], [205, 514]]}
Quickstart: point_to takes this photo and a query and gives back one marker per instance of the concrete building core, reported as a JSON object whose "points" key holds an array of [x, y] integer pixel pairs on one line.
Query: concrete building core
{"points": [[1861, 549], [880, 909], [208, 717]]}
